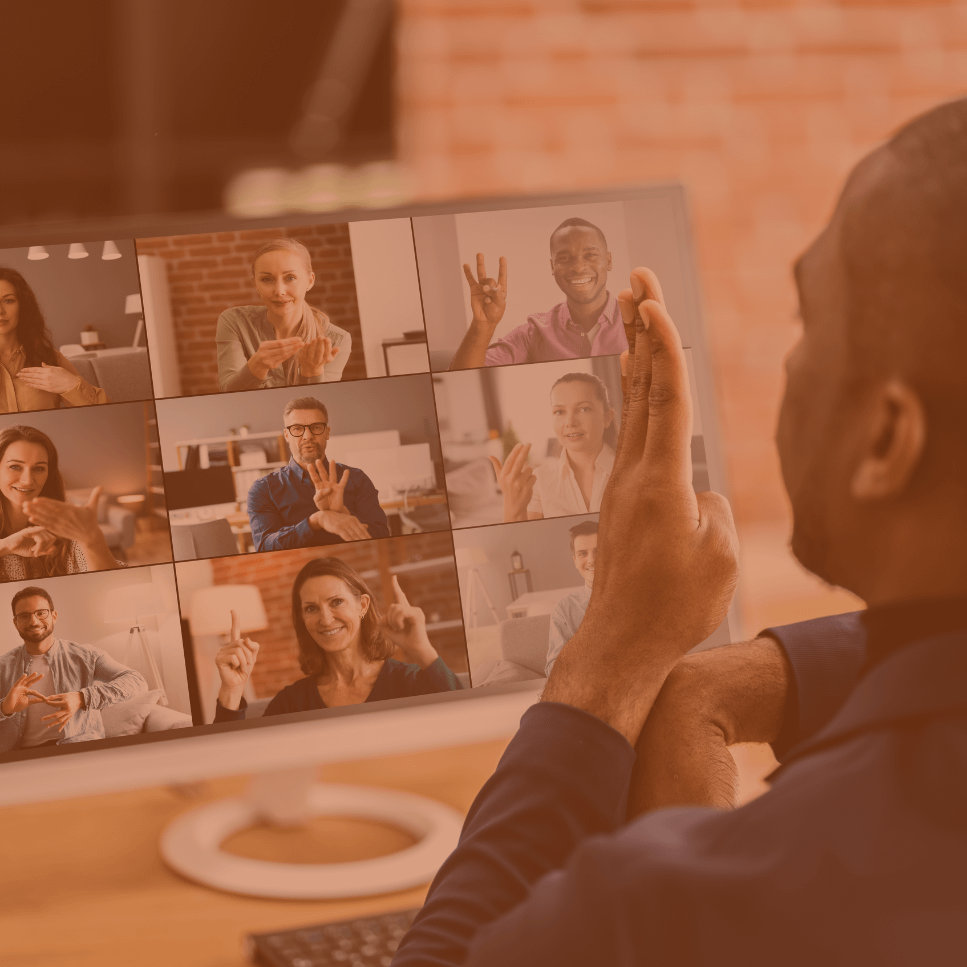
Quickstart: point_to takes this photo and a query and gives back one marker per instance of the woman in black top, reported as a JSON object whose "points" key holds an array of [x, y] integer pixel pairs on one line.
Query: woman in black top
{"points": [[344, 648]]}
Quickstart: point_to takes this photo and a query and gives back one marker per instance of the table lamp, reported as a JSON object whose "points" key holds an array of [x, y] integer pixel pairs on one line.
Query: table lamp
{"points": [[471, 557], [131, 604]]}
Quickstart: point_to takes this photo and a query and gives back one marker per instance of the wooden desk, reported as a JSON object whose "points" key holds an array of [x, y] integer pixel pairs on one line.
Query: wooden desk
{"points": [[83, 884]]}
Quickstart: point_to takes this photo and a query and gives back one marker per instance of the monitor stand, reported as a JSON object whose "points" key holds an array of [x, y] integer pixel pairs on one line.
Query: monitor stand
{"points": [[191, 845]]}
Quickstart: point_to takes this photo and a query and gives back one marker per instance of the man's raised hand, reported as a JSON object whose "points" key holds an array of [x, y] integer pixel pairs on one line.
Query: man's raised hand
{"points": [[667, 558], [516, 481], [234, 663], [330, 489], [488, 297], [21, 695]]}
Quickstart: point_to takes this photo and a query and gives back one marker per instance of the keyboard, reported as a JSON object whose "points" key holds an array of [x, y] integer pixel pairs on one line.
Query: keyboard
{"points": [[364, 942]]}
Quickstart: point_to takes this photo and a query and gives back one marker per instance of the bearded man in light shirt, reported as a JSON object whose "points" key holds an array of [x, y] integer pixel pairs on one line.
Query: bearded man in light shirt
{"points": [[569, 611]]}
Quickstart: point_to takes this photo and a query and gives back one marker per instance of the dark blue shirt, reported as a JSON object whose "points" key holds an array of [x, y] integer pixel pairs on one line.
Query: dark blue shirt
{"points": [[280, 505], [396, 679], [856, 855]]}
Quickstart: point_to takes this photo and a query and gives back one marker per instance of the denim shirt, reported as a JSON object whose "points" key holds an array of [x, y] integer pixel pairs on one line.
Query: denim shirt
{"points": [[74, 668]]}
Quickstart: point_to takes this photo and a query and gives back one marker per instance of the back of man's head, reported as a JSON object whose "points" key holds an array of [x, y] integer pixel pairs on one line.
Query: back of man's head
{"points": [[30, 593]]}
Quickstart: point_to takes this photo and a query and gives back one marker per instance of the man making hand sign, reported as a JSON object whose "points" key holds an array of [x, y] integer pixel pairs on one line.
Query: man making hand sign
{"points": [[587, 323], [312, 500], [53, 688]]}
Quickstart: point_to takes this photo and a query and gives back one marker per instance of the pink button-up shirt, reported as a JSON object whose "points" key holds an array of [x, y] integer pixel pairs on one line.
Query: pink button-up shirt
{"points": [[554, 335]]}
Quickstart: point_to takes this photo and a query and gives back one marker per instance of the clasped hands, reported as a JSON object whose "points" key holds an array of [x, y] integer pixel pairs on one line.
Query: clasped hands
{"points": [[313, 355], [21, 696], [331, 514]]}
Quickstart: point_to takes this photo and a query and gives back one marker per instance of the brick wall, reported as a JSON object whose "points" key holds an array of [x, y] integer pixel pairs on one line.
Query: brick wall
{"points": [[760, 107], [434, 590], [209, 273]]}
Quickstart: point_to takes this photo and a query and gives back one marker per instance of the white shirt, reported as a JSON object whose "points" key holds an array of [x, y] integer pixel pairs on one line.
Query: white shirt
{"points": [[556, 490]]}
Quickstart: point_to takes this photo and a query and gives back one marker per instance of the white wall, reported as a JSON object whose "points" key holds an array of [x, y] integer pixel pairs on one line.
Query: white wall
{"points": [[387, 292], [81, 617]]}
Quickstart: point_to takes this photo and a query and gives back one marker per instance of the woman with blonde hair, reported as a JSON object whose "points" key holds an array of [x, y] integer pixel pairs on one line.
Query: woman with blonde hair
{"points": [[42, 535], [284, 341], [345, 648], [34, 375]]}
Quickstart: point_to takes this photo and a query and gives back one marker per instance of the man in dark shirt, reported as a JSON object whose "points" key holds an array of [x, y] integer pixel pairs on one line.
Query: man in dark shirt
{"points": [[856, 854], [312, 501]]}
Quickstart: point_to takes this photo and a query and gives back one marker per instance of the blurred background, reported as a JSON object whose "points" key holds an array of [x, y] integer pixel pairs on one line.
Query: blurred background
{"points": [[759, 107]]}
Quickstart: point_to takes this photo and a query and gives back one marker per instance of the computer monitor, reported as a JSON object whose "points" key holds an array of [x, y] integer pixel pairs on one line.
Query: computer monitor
{"points": [[150, 642]]}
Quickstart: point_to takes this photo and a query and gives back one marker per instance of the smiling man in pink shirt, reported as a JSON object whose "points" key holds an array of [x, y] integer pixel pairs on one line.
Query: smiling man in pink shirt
{"points": [[587, 323]]}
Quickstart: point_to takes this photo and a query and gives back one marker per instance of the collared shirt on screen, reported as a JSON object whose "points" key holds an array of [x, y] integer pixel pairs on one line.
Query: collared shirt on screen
{"points": [[17, 397], [556, 490], [555, 335], [73, 668], [280, 505], [566, 618]]}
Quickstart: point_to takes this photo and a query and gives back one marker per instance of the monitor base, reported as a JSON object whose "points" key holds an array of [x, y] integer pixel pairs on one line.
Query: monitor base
{"points": [[191, 845]]}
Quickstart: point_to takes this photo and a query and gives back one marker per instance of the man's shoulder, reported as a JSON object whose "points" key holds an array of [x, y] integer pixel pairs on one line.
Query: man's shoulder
{"points": [[273, 476], [79, 648], [539, 322]]}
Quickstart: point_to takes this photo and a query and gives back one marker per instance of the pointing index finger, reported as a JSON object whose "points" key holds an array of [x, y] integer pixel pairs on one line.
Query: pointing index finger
{"points": [[235, 626], [398, 591]]}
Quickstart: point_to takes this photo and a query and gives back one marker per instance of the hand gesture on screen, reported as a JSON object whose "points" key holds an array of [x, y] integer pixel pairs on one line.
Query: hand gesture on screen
{"points": [[272, 353], [21, 695], [234, 663], [66, 706], [72, 522], [314, 355], [29, 542], [404, 625], [488, 297], [330, 490], [667, 558], [52, 379], [340, 523], [516, 481]]}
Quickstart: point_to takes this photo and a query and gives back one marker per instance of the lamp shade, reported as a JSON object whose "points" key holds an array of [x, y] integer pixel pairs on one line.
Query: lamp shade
{"points": [[37, 252], [77, 251], [470, 556], [110, 251], [131, 601], [132, 303], [210, 610]]}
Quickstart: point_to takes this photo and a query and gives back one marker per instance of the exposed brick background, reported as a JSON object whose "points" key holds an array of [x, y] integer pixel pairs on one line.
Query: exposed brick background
{"points": [[759, 107], [435, 590], [210, 273]]}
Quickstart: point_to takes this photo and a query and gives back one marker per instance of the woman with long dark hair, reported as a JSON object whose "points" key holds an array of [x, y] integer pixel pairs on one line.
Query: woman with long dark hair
{"points": [[42, 535], [35, 376], [584, 424], [345, 645]]}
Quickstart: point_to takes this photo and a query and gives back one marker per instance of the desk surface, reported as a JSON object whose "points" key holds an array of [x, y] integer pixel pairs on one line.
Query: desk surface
{"points": [[83, 883]]}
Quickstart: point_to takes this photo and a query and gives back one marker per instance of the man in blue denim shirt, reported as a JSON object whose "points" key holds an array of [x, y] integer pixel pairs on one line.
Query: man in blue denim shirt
{"points": [[311, 501], [54, 689]]}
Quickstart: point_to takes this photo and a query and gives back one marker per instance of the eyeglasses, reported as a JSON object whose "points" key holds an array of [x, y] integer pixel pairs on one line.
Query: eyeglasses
{"points": [[297, 429], [21, 616]]}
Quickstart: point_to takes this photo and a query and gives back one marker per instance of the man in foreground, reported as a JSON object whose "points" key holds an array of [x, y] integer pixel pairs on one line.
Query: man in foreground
{"points": [[856, 855], [586, 323], [569, 612], [312, 501], [53, 689]]}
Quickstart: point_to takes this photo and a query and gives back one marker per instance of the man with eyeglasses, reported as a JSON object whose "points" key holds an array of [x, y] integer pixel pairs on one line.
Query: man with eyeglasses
{"points": [[587, 323], [54, 689], [312, 501]]}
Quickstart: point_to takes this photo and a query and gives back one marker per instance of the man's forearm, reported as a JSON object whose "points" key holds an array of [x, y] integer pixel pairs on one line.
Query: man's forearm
{"points": [[472, 351]]}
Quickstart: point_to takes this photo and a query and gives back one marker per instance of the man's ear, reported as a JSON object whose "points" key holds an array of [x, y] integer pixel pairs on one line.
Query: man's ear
{"points": [[609, 261], [893, 447]]}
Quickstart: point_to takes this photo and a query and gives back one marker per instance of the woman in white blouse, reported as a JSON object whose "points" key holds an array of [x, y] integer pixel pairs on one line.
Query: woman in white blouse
{"points": [[284, 341], [584, 423]]}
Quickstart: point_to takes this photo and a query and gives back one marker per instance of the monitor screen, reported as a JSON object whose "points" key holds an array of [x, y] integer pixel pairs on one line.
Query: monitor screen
{"points": [[301, 516]]}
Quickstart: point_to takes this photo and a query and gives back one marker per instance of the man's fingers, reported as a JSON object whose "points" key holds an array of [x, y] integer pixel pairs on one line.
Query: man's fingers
{"points": [[629, 316], [236, 629], [635, 386], [645, 285], [398, 591], [466, 272], [481, 268], [668, 447], [502, 273]]}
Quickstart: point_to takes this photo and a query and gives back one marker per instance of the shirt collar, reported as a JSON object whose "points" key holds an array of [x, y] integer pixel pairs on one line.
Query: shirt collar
{"points": [[926, 678], [27, 657], [603, 461], [609, 314]]}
